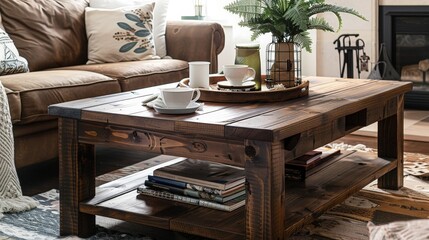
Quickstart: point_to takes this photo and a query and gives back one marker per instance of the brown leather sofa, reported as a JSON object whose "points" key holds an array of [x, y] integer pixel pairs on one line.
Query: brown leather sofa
{"points": [[56, 50]]}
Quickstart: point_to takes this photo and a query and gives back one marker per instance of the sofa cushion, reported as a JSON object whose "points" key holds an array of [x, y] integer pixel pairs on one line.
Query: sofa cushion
{"points": [[140, 74], [48, 33], [159, 18], [120, 34], [10, 61], [30, 94]]}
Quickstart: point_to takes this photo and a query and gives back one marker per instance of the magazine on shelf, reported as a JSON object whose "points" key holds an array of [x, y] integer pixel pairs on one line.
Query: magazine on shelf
{"points": [[307, 158], [184, 185], [317, 156], [203, 173], [192, 193], [227, 206], [302, 172]]}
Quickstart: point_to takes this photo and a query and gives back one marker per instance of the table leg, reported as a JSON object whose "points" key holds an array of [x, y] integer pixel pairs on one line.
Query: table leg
{"points": [[77, 180], [391, 145], [265, 208]]}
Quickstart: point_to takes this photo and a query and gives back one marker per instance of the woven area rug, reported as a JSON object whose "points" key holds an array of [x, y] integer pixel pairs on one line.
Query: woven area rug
{"points": [[346, 221]]}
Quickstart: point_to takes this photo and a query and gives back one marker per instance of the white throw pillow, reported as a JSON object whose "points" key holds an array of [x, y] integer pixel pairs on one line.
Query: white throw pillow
{"points": [[10, 61], [159, 18], [120, 34]]}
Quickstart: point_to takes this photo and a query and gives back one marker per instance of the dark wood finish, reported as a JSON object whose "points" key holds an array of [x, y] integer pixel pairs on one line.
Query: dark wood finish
{"points": [[258, 136], [265, 190], [391, 145], [228, 151], [304, 202], [77, 180], [41, 178], [265, 95]]}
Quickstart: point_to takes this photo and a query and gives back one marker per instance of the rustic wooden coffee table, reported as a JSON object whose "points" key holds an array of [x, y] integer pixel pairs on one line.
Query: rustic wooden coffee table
{"points": [[258, 136]]}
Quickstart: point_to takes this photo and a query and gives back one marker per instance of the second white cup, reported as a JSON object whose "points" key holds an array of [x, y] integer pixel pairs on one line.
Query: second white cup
{"points": [[179, 98], [199, 74], [236, 74]]}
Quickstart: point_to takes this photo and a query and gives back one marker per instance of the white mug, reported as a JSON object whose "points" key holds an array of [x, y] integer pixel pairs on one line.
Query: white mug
{"points": [[236, 74], [179, 98], [199, 74]]}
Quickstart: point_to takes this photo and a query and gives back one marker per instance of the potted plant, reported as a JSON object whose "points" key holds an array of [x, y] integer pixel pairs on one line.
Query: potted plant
{"points": [[288, 21]]}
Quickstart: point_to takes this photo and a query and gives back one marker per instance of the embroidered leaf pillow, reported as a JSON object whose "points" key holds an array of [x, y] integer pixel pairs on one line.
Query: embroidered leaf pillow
{"points": [[159, 18], [10, 61], [120, 34]]}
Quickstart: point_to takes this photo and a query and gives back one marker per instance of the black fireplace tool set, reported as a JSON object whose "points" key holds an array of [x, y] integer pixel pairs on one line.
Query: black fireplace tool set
{"points": [[349, 52]]}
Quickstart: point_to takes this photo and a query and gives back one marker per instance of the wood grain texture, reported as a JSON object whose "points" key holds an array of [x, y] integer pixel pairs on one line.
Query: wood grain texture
{"points": [[265, 189], [291, 119], [254, 121], [145, 210], [258, 136], [214, 94], [77, 181], [398, 204], [391, 145], [126, 184], [212, 224], [219, 150], [330, 186], [304, 202], [72, 109]]}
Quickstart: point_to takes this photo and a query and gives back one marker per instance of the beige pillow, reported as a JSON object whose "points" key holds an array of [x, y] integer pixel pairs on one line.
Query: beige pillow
{"points": [[159, 18], [120, 34]]}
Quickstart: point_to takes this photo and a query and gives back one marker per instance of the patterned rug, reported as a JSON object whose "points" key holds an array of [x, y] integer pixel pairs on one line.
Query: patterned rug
{"points": [[348, 220]]}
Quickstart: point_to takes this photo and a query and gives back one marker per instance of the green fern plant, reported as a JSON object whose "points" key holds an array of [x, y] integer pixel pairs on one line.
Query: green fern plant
{"points": [[287, 20]]}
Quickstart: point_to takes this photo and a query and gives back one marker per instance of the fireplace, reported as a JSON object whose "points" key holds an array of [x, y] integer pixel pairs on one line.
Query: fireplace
{"points": [[404, 30]]}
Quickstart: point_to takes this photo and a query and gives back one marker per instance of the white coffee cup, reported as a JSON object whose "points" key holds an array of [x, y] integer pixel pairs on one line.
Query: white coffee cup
{"points": [[179, 98], [236, 74], [199, 74]]}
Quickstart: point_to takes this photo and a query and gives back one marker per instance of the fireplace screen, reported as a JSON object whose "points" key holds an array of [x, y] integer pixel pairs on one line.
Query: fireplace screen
{"points": [[404, 31], [411, 58]]}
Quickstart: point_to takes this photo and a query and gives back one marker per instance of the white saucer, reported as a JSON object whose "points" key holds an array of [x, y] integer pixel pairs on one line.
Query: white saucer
{"points": [[226, 84], [161, 108]]}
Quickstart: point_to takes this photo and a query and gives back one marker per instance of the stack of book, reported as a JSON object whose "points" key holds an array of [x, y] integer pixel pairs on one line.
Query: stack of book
{"points": [[197, 182], [311, 162]]}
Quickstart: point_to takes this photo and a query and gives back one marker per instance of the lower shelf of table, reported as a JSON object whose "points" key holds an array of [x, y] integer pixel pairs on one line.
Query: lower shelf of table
{"points": [[304, 200]]}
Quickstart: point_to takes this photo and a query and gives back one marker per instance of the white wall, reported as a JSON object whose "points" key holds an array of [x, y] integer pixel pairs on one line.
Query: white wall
{"points": [[216, 12], [327, 57], [234, 33], [322, 61]]}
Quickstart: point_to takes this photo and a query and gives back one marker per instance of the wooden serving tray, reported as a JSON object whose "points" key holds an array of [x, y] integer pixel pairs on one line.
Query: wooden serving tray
{"points": [[265, 95]]}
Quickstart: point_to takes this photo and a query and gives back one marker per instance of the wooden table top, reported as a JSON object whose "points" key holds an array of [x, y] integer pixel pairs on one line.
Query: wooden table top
{"points": [[328, 99]]}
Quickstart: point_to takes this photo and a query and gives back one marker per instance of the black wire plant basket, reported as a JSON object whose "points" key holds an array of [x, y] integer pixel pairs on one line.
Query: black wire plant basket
{"points": [[283, 64]]}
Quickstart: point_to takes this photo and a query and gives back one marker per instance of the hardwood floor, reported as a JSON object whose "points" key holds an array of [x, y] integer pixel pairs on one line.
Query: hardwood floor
{"points": [[416, 133]]}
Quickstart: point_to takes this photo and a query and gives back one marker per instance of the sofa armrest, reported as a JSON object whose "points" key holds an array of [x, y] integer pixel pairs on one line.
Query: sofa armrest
{"points": [[195, 41]]}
